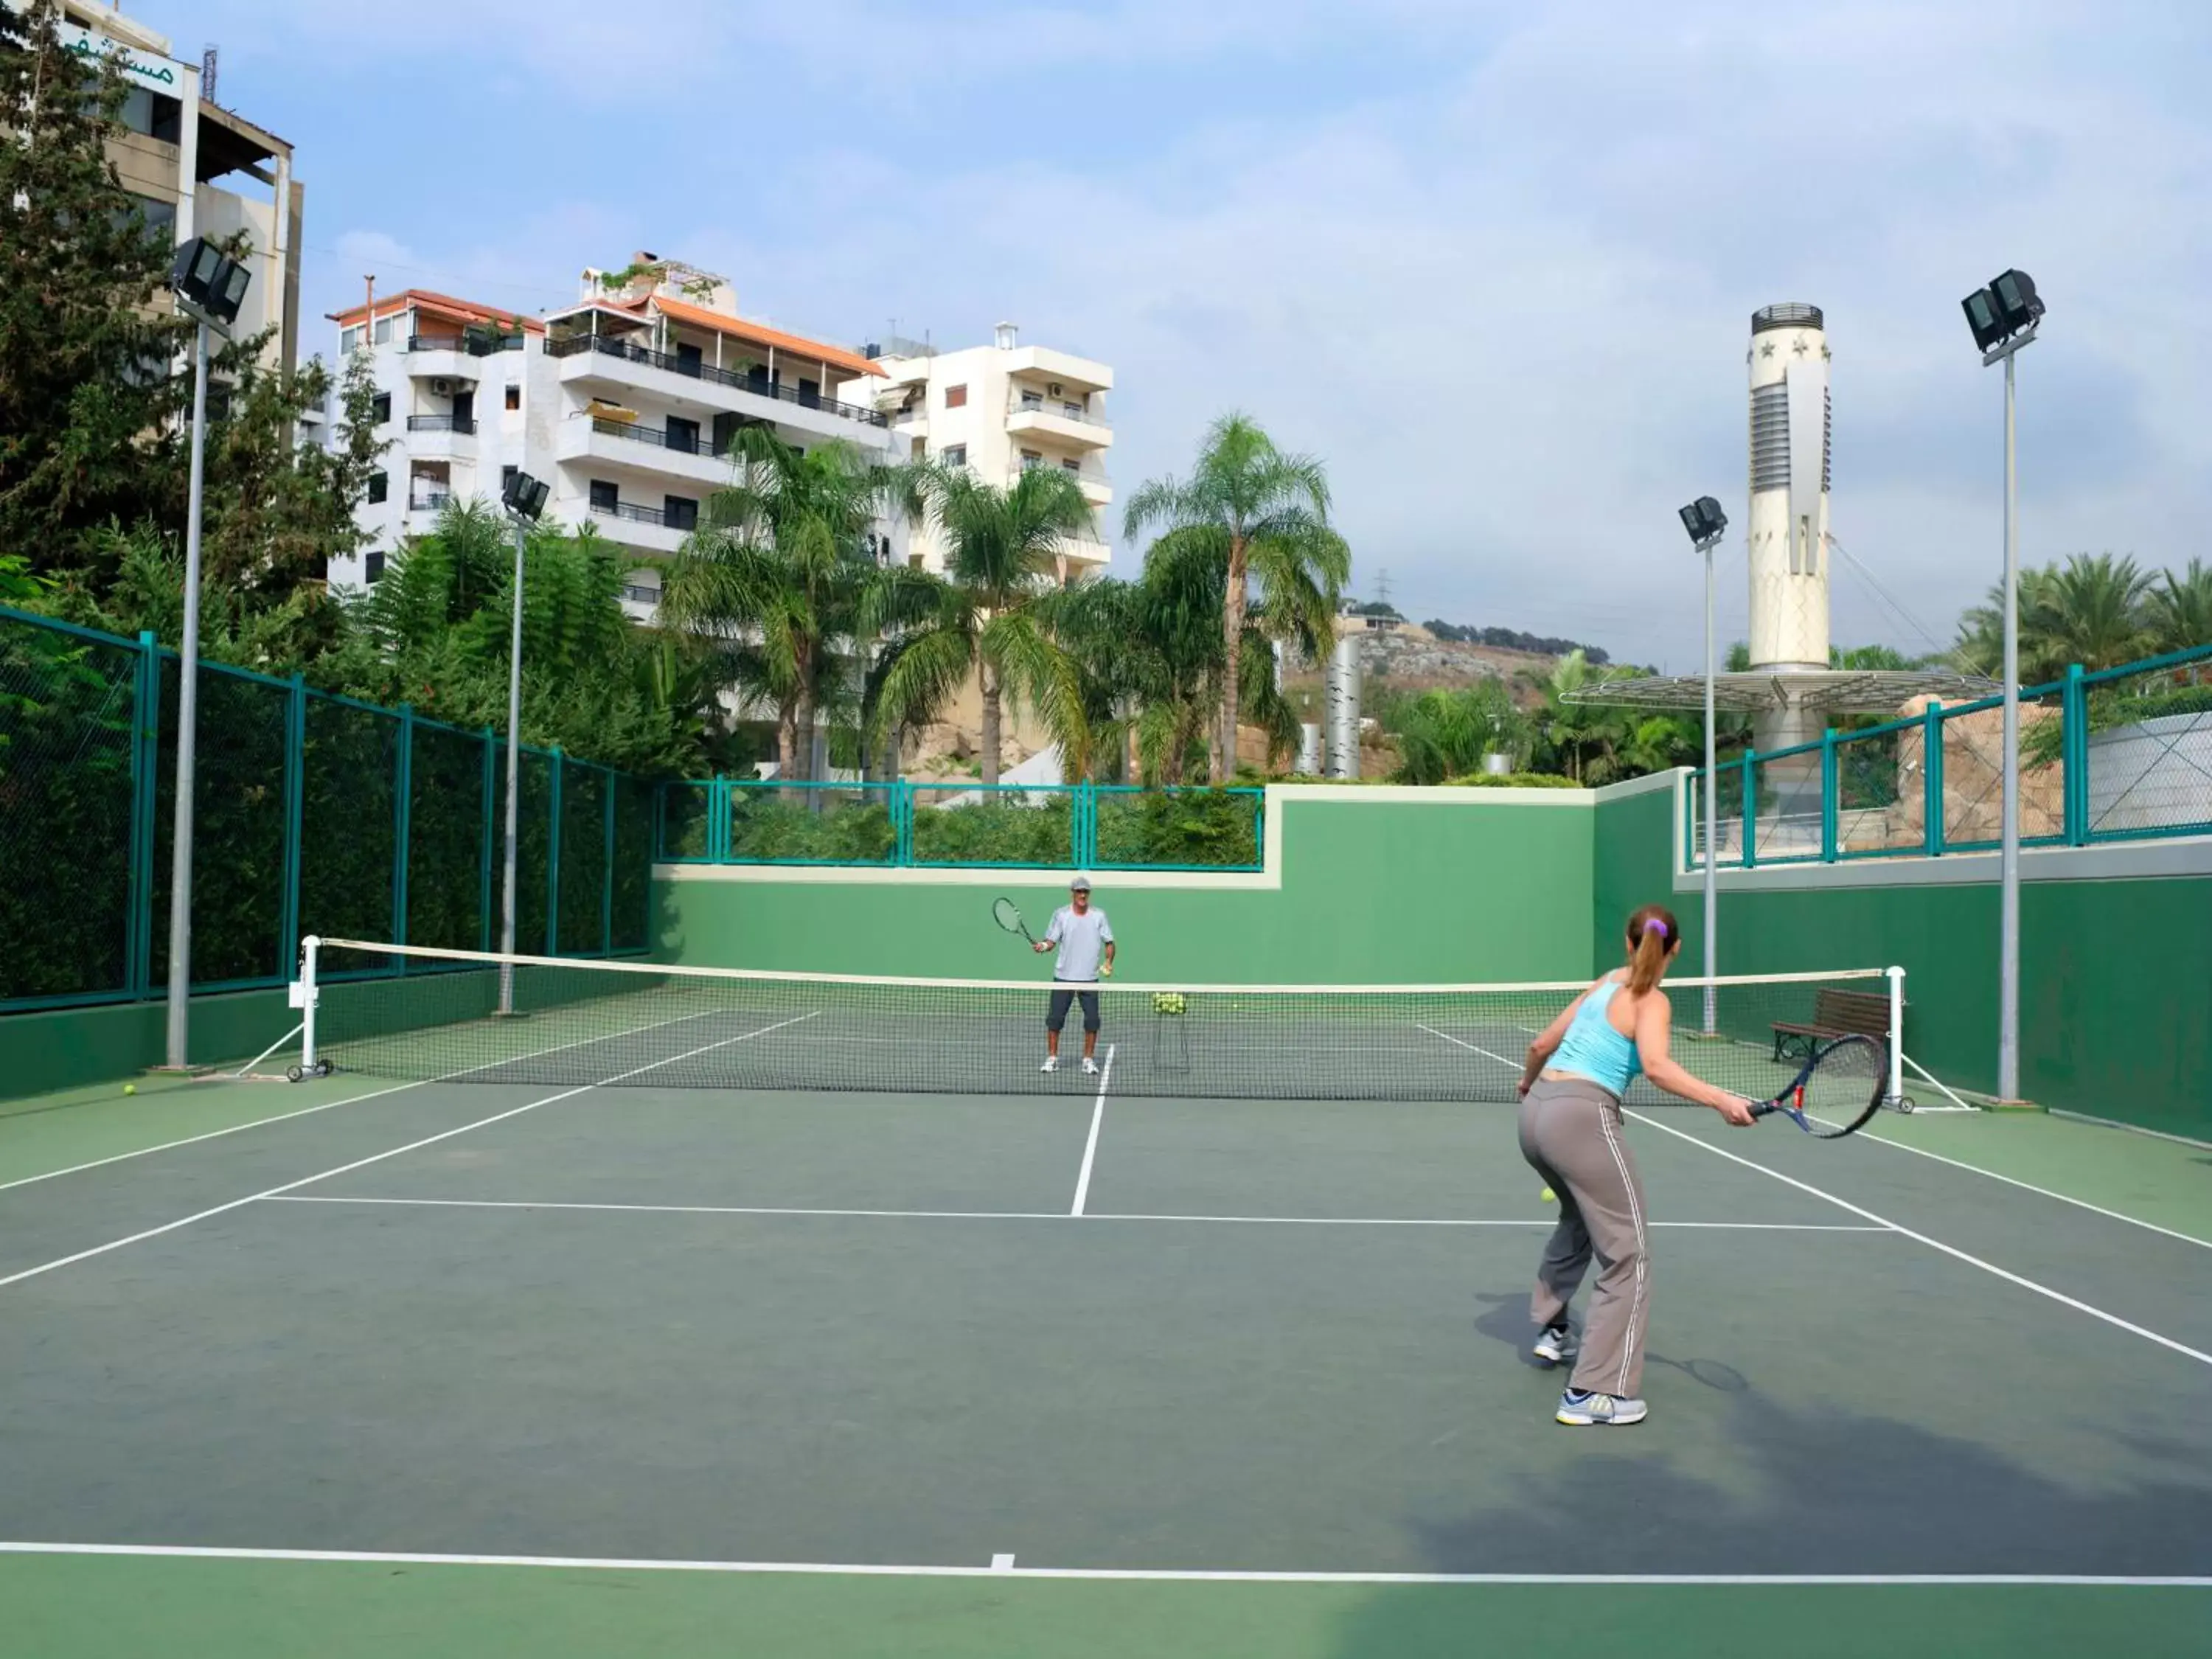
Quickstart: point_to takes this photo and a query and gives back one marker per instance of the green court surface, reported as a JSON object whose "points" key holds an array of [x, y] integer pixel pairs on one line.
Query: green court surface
{"points": [[346, 1368]]}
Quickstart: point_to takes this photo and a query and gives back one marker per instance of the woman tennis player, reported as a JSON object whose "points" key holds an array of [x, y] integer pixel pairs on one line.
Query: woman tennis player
{"points": [[1570, 1134]]}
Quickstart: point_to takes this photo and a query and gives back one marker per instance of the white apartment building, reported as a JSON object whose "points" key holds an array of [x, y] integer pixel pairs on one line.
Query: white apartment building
{"points": [[176, 143], [624, 404], [998, 409]]}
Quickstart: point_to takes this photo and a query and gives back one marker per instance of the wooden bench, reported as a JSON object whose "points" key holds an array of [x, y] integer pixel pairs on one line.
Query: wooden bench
{"points": [[1835, 1013]]}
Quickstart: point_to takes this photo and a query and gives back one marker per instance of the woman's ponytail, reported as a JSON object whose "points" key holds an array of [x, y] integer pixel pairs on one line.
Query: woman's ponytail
{"points": [[1653, 935]]}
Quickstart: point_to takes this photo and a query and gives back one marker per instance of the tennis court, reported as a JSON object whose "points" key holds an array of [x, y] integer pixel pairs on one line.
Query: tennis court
{"points": [[591, 1363]]}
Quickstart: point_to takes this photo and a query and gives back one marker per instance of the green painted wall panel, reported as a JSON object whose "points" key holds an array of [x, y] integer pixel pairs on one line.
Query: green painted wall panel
{"points": [[1373, 892], [64, 1048]]}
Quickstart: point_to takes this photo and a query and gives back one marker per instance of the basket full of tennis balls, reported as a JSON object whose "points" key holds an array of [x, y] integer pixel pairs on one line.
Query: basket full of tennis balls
{"points": [[1167, 1002]]}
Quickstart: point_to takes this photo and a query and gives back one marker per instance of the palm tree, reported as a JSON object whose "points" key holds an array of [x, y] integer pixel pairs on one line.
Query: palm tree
{"points": [[1445, 733], [991, 613], [1267, 513], [2091, 609], [780, 578], [2180, 610]]}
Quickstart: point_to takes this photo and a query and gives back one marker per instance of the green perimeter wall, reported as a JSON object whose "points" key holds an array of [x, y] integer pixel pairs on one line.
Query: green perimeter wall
{"points": [[64, 1048], [1377, 886], [2116, 973]]}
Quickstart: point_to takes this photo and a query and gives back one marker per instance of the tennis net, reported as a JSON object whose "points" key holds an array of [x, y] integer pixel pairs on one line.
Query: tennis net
{"points": [[417, 1013]]}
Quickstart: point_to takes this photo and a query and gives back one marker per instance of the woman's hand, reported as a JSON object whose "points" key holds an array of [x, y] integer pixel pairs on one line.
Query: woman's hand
{"points": [[1736, 1110]]}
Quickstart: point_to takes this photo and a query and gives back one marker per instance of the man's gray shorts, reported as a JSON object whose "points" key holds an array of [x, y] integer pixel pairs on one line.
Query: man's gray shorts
{"points": [[1064, 995]]}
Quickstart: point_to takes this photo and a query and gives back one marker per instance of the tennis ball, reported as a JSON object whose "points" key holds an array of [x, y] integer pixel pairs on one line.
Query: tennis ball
{"points": [[1548, 1196], [130, 1088]]}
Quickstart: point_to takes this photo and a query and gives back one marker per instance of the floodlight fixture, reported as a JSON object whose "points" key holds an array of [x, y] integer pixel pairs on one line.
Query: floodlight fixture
{"points": [[209, 285], [1704, 521], [524, 496]]}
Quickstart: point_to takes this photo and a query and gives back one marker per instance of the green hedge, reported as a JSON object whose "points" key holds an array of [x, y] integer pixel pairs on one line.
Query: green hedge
{"points": [[1181, 826], [997, 830], [834, 827]]}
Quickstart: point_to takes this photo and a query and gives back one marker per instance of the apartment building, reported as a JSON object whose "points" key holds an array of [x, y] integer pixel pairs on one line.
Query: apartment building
{"points": [[1000, 409], [199, 169], [625, 404]]}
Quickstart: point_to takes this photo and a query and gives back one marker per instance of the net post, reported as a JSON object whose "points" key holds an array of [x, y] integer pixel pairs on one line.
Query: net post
{"points": [[310, 961], [1896, 976]]}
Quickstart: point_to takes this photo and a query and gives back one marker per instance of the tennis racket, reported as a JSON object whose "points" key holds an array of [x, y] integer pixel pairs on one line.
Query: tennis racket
{"points": [[1845, 1083], [1004, 913]]}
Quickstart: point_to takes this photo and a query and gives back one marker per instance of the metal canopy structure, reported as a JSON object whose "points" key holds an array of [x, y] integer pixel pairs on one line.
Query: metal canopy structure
{"points": [[1764, 691]]}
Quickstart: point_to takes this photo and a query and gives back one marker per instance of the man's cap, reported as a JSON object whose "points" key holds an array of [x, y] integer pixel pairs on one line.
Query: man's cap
{"points": [[1080, 885]]}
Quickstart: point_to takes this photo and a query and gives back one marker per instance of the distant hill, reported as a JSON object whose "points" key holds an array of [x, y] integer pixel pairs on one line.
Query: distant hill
{"points": [[1512, 639]]}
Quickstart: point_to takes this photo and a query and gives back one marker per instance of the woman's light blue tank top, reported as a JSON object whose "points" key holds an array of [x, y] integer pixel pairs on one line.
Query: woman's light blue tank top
{"points": [[1593, 1049]]}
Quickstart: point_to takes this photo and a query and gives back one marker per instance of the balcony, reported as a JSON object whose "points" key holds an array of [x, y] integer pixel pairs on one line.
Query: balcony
{"points": [[639, 602], [1066, 421], [430, 501], [460, 425], [648, 529], [473, 345], [638, 449], [596, 357]]}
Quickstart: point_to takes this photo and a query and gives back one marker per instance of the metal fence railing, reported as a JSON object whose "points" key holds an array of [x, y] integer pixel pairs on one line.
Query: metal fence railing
{"points": [[2124, 754], [1015, 826], [312, 813]]}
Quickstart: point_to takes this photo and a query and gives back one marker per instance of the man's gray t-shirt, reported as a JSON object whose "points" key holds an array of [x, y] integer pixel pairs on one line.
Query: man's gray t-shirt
{"points": [[1082, 939]]}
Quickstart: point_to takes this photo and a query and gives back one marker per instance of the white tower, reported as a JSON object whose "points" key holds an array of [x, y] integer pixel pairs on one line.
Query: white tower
{"points": [[1789, 520]]}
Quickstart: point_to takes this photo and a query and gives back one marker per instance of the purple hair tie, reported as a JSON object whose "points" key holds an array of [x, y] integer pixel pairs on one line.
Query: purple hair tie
{"points": [[1654, 925]]}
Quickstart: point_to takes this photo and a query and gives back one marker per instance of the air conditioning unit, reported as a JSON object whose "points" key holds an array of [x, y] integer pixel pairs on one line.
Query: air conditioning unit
{"points": [[1055, 388], [441, 387]]}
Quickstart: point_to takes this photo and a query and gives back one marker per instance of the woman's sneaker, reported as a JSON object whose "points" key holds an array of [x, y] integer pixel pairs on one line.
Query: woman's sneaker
{"points": [[1582, 1408], [1555, 1346]]}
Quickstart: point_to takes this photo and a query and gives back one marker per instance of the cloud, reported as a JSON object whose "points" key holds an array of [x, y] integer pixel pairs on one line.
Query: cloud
{"points": [[1495, 264]]}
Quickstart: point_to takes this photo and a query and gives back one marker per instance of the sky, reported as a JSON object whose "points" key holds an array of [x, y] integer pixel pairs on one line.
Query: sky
{"points": [[1493, 264]]}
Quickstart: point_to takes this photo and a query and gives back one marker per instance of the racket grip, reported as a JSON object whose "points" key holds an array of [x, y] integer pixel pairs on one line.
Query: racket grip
{"points": [[1764, 1107]]}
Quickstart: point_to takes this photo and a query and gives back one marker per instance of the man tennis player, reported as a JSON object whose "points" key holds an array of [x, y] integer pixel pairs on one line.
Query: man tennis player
{"points": [[1571, 1134], [1085, 940]]}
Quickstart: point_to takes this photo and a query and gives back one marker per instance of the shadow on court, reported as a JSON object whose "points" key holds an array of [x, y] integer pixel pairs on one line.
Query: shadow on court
{"points": [[1867, 1492]]}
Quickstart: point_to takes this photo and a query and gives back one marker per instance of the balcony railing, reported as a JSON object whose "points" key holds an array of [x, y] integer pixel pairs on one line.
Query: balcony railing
{"points": [[463, 425], [637, 594], [758, 384], [430, 501], [656, 436], [645, 515], [1074, 412], [477, 345]]}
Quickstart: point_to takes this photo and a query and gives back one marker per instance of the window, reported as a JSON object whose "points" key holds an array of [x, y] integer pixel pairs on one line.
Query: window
{"points": [[1067, 466], [374, 568], [382, 334], [688, 360], [1074, 411], [160, 216], [350, 340], [956, 396], [809, 393], [680, 513], [1031, 458], [506, 477], [514, 397], [1033, 400], [954, 454], [149, 114], [380, 486], [682, 435], [380, 409], [605, 497]]}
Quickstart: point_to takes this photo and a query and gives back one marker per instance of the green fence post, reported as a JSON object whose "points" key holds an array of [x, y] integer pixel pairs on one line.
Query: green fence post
{"points": [[1750, 808], [145, 771], [607, 870], [2074, 720], [1931, 771], [553, 865], [901, 822], [484, 934], [1831, 796], [295, 795], [718, 820], [403, 816]]}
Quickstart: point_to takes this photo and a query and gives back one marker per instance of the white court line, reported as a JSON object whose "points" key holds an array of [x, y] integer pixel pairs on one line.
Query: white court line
{"points": [[1485, 1053], [1002, 1563], [1091, 1146], [1041, 1215], [328, 1105], [378, 1158], [2043, 1192], [875, 1570], [1952, 1250], [212, 1134]]}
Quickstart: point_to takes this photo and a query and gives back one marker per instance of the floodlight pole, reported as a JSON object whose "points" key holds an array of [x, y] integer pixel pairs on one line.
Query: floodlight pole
{"points": [[2009, 853], [1712, 808], [188, 673], [514, 773]]}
